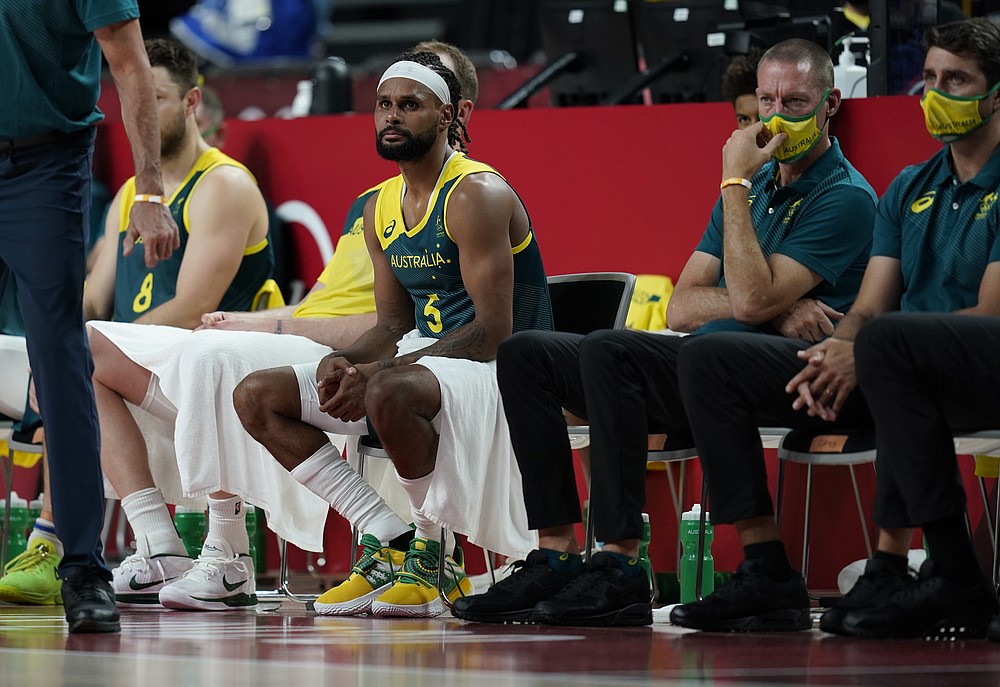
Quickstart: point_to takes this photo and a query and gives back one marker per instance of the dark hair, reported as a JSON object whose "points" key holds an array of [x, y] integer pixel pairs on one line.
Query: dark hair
{"points": [[179, 62], [797, 50], [465, 71], [976, 38], [740, 78], [457, 132]]}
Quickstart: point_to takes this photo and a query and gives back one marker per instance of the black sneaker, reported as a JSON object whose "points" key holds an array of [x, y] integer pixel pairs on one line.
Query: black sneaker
{"points": [[511, 599], [993, 630], [603, 595], [879, 582], [89, 600], [932, 608], [749, 602]]}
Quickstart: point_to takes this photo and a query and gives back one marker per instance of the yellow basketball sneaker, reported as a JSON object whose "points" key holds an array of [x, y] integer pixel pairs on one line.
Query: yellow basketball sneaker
{"points": [[414, 592], [371, 576], [31, 577]]}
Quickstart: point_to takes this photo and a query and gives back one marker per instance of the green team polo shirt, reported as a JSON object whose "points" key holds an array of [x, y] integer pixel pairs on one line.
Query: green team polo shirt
{"points": [[944, 233], [823, 220], [51, 74]]}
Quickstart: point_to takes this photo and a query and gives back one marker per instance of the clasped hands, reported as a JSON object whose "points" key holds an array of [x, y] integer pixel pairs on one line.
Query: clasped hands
{"points": [[342, 387], [822, 386]]}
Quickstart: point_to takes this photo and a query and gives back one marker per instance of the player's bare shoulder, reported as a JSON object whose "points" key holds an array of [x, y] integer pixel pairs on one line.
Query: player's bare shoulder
{"points": [[484, 190]]}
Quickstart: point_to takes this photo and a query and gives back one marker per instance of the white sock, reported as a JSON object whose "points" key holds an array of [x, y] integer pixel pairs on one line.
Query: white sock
{"points": [[416, 489], [326, 474], [154, 530], [227, 528], [46, 530]]}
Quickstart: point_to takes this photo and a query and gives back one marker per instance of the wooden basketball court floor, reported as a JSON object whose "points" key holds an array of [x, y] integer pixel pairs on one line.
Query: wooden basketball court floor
{"points": [[285, 645]]}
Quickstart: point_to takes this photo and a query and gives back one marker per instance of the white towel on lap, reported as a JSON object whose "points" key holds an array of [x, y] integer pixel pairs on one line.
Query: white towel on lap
{"points": [[198, 371], [476, 488]]}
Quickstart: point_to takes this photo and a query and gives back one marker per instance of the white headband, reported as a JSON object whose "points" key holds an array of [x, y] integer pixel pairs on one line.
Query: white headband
{"points": [[406, 69]]}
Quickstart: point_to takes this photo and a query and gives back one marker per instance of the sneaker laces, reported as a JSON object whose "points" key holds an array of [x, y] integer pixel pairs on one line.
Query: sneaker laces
{"points": [[27, 559], [136, 563], [370, 547], [732, 590], [872, 587], [419, 567], [207, 568], [521, 573], [590, 577]]}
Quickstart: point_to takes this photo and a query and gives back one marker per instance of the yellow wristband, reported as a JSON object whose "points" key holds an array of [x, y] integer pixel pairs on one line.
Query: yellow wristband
{"points": [[148, 198], [733, 181]]}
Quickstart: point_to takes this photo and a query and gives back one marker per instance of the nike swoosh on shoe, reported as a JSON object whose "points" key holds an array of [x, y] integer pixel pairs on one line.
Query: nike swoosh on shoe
{"points": [[139, 586]]}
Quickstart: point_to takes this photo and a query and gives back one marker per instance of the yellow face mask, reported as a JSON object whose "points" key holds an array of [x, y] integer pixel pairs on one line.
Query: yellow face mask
{"points": [[953, 117], [803, 134]]}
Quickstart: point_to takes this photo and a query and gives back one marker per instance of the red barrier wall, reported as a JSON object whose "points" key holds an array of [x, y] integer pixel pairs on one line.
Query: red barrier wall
{"points": [[626, 188]]}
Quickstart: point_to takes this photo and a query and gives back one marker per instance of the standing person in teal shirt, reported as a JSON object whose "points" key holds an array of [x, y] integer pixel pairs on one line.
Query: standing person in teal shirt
{"points": [[51, 54]]}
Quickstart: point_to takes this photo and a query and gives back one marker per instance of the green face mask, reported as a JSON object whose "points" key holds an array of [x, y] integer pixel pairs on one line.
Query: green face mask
{"points": [[953, 117], [803, 134]]}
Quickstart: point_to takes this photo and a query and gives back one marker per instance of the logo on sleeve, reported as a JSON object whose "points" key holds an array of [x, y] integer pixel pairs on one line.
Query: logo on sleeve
{"points": [[387, 232], [922, 203]]}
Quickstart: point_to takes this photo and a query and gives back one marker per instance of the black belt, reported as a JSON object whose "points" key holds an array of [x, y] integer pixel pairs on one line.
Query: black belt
{"points": [[49, 137]]}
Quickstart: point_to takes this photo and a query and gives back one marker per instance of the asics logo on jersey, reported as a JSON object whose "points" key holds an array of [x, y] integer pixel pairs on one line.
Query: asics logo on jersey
{"points": [[232, 586], [922, 203], [387, 232], [239, 507]]}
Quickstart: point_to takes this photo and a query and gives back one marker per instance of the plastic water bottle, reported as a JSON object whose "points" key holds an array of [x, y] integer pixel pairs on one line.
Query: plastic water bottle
{"points": [[848, 75], [190, 525], [303, 99], [644, 561], [691, 567], [20, 521], [255, 533]]}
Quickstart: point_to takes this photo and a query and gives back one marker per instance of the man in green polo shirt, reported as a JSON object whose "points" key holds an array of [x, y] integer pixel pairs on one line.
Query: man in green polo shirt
{"points": [[51, 54]]}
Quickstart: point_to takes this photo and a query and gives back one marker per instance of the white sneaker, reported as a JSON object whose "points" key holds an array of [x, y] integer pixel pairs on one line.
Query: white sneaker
{"points": [[213, 584], [482, 582], [139, 578]]}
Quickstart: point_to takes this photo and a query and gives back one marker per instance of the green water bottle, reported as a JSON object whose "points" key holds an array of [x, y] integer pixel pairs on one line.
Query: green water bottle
{"points": [[255, 533], [190, 525], [691, 567], [20, 522], [644, 561]]}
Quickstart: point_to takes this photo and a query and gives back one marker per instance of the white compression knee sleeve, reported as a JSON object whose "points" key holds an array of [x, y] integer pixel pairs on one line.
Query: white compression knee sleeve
{"points": [[327, 474], [156, 404]]}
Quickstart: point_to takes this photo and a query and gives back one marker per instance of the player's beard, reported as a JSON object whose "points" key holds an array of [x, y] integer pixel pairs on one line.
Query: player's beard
{"points": [[413, 147], [172, 135]]}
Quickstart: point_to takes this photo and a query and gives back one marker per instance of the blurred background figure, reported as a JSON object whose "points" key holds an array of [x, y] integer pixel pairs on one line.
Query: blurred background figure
{"points": [[739, 87], [211, 118], [230, 33]]}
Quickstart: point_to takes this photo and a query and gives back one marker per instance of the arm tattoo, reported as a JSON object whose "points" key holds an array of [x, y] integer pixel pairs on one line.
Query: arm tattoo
{"points": [[469, 341]]}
